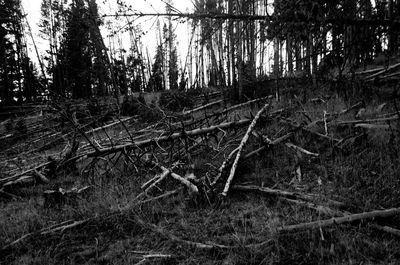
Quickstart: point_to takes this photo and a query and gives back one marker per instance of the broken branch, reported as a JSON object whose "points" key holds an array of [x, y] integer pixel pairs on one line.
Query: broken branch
{"points": [[240, 148], [341, 220]]}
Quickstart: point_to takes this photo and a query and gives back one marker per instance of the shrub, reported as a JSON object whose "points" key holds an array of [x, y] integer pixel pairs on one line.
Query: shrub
{"points": [[137, 106], [176, 100]]}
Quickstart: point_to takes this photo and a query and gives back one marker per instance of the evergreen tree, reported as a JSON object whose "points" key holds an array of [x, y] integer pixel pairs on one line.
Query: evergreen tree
{"points": [[52, 27], [82, 67], [173, 73], [156, 82], [120, 76], [15, 66], [172, 55], [7, 51], [77, 52], [134, 73]]}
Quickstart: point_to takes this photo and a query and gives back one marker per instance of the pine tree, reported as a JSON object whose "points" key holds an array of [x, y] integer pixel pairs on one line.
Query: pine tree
{"points": [[77, 52], [173, 73], [14, 62], [7, 52], [156, 82], [82, 67]]}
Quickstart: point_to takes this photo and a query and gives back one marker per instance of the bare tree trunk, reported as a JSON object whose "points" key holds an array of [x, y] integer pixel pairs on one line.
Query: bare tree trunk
{"points": [[314, 59], [299, 63], [252, 47], [228, 56], [350, 53], [276, 57], [240, 64], [214, 64], [190, 54], [289, 50], [393, 32], [232, 47], [221, 56], [307, 57]]}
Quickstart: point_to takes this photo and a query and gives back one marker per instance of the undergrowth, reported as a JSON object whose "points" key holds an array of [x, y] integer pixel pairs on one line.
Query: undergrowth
{"points": [[363, 175]]}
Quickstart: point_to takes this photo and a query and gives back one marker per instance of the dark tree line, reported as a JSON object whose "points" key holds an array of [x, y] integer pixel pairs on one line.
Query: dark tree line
{"points": [[233, 43], [18, 76], [317, 30], [77, 60]]}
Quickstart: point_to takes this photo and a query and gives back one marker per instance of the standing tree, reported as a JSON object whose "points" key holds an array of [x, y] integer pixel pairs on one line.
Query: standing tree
{"points": [[76, 46], [15, 66], [170, 48], [156, 82], [82, 67], [173, 73]]}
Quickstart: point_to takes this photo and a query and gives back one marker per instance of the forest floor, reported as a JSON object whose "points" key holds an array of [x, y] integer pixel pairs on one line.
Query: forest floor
{"points": [[317, 182]]}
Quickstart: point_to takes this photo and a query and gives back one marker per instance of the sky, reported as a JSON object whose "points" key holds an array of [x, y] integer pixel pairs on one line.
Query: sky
{"points": [[32, 10]]}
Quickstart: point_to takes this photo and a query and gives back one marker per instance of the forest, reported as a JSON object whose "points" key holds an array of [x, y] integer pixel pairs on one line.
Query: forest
{"points": [[272, 136]]}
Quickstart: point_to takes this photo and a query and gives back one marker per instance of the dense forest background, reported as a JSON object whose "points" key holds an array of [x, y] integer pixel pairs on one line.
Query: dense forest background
{"points": [[232, 44]]}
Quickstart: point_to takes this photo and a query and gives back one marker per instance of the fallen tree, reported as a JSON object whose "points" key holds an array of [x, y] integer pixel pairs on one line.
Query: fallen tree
{"points": [[341, 220]]}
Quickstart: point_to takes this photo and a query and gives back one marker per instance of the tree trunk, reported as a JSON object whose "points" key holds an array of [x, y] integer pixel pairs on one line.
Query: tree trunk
{"points": [[276, 66], [314, 59], [307, 57], [393, 34], [240, 64], [350, 53], [289, 50], [232, 48], [299, 63]]}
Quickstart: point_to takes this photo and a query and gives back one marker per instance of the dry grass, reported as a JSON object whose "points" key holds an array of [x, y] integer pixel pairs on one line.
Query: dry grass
{"points": [[364, 176]]}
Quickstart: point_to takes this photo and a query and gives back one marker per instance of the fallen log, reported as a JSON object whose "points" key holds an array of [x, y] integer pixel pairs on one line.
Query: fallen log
{"points": [[154, 180], [137, 144], [223, 166], [301, 150], [285, 194], [152, 183], [220, 113], [26, 172], [182, 180], [321, 209], [341, 220], [59, 197], [249, 155], [42, 177], [48, 230], [369, 126], [240, 148], [203, 107], [382, 71], [390, 75], [387, 229], [148, 142], [25, 180], [274, 192], [238, 106], [369, 71], [110, 125], [162, 196], [393, 118]]}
